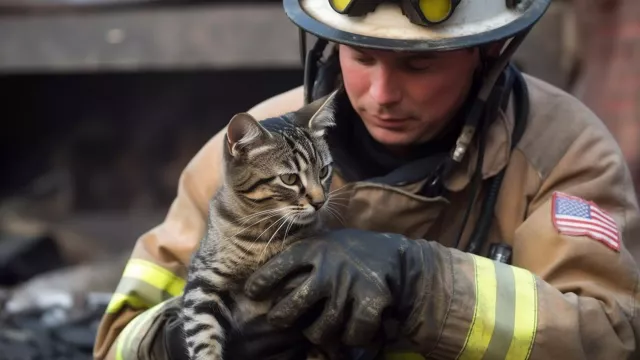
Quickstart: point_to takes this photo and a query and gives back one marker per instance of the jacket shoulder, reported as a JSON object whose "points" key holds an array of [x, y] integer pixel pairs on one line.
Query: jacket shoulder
{"points": [[277, 105], [556, 120]]}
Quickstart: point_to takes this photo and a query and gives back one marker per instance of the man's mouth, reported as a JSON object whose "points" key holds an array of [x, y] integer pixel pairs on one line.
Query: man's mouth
{"points": [[390, 122]]}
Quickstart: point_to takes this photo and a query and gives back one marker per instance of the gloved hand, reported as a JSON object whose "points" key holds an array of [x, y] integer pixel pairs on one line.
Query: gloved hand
{"points": [[256, 340], [259, 340], [361, 275]]}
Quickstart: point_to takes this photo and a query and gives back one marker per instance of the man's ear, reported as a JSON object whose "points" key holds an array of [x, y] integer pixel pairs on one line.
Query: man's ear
{"points": [[324, 117], [244, 131]]}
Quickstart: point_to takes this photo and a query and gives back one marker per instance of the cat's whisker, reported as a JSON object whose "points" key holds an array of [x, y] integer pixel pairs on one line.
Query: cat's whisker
{"points": [[271, 238], [336, 214], [233, 241], [338, 189], [245, 218], [331, 204], [340, 195], [345, 198], [270, 226], [286, 232], [332, 201], [256, 243], [250, 226], [269, 214], [337, 202]]}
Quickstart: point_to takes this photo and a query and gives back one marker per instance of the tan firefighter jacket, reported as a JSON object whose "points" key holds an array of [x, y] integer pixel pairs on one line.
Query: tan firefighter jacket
{"points": [[567, 196]]}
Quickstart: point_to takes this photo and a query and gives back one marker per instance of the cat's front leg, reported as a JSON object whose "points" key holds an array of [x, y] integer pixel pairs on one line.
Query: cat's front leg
{"points": [[206, 320]]}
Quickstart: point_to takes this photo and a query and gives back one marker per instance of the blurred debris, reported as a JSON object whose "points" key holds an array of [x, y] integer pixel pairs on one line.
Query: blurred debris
{"points": [[50, 308], [57, 270], [63, 327], [22, 257], [94, 277]]}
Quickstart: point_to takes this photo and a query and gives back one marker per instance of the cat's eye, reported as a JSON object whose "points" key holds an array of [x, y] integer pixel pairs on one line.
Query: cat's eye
{"points": [[289, 179], [324, 171]]}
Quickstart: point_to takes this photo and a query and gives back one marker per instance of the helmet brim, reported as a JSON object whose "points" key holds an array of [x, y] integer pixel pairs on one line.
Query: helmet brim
{"points": [[319, 19]]}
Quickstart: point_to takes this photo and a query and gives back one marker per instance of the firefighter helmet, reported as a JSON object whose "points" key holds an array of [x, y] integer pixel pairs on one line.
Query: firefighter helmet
{"points": [[415, 25]]}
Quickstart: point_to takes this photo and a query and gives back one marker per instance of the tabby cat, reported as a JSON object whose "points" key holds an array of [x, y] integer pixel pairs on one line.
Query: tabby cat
{"points": [[275, 187]]}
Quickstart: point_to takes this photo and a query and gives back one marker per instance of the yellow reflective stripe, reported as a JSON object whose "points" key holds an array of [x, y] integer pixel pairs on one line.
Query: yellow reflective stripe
{"points": [[504, 321], [402, 356], [144, 284], [128, 341], [155, 275], [119, 300], [526, 322], [484, 313]]}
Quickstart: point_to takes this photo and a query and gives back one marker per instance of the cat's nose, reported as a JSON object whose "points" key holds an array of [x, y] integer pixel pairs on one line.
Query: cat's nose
{"points": [[316, 197], [317, 204]]}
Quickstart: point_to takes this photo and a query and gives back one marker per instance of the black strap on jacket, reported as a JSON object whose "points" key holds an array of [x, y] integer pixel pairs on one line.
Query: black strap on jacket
{"points": [[521, 109]]}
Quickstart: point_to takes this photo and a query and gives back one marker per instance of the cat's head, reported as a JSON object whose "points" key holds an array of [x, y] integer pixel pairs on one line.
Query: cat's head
{"points": [[281, 164]]}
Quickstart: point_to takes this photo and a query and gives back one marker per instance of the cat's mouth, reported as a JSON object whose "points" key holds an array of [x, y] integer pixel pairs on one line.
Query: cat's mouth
{"points": [[305, 217]]}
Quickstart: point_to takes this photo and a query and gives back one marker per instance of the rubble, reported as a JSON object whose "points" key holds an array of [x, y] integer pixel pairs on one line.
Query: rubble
{"points": [[22, 257], [56, 280], [63, 327], [53, 315]]}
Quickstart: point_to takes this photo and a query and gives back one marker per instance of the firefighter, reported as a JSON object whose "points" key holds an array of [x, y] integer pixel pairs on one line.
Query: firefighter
{"points": [[486, 214]]}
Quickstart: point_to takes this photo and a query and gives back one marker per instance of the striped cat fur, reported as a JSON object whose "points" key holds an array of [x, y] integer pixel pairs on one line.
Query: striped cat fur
{"points": [[275, 188]]}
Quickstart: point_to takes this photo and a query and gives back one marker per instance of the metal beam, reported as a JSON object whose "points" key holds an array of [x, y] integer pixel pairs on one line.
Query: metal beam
{"points": [[150, 38], [212, 36]]}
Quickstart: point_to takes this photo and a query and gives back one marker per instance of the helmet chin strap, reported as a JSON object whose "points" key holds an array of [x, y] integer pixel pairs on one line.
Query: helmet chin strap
{"points": [[490, 73]]}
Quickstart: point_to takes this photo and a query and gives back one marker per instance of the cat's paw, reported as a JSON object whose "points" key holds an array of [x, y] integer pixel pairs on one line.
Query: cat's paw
{"points": [[205, 352]]}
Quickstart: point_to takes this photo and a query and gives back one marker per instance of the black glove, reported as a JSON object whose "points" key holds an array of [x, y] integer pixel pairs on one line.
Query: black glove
{"points": [[256, 340], [361, 275], [261, 341]]}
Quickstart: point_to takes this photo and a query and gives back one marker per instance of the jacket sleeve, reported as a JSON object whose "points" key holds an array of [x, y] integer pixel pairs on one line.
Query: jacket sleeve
{"points": [[572, 292], [155, 274]]}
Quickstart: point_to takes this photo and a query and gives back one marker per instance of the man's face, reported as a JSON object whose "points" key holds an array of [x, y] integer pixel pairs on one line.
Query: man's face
{"points": [[406, 98]]}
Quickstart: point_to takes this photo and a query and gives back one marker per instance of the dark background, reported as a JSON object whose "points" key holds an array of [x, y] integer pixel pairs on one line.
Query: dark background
{"points": [[123, 137]]}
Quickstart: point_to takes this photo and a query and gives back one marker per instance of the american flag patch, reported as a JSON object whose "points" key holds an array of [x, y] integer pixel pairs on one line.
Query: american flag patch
{"points": [[575, 216]]}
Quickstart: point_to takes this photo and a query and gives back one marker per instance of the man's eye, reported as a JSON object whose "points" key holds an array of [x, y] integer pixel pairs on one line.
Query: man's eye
{"points": [[364, 60], [418, 66]]}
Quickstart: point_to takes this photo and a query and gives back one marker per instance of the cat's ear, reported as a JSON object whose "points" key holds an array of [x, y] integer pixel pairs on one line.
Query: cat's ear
{"points": [[324, 117], [243, 131]]}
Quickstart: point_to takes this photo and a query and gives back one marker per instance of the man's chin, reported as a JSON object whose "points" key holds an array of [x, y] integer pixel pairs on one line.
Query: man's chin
{"points": [[395, 139]]}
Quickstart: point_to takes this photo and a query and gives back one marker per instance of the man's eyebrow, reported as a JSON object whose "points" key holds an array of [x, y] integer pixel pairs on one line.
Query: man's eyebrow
{"points": [[407, 57], [418, 57]]}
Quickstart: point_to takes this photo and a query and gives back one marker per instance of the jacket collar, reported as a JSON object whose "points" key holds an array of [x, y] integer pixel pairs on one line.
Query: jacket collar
{"points": [[496, 153]]}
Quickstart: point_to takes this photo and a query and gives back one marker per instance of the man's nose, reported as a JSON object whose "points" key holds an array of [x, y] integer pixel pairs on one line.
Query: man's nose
{"points": [[383, 88]]}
